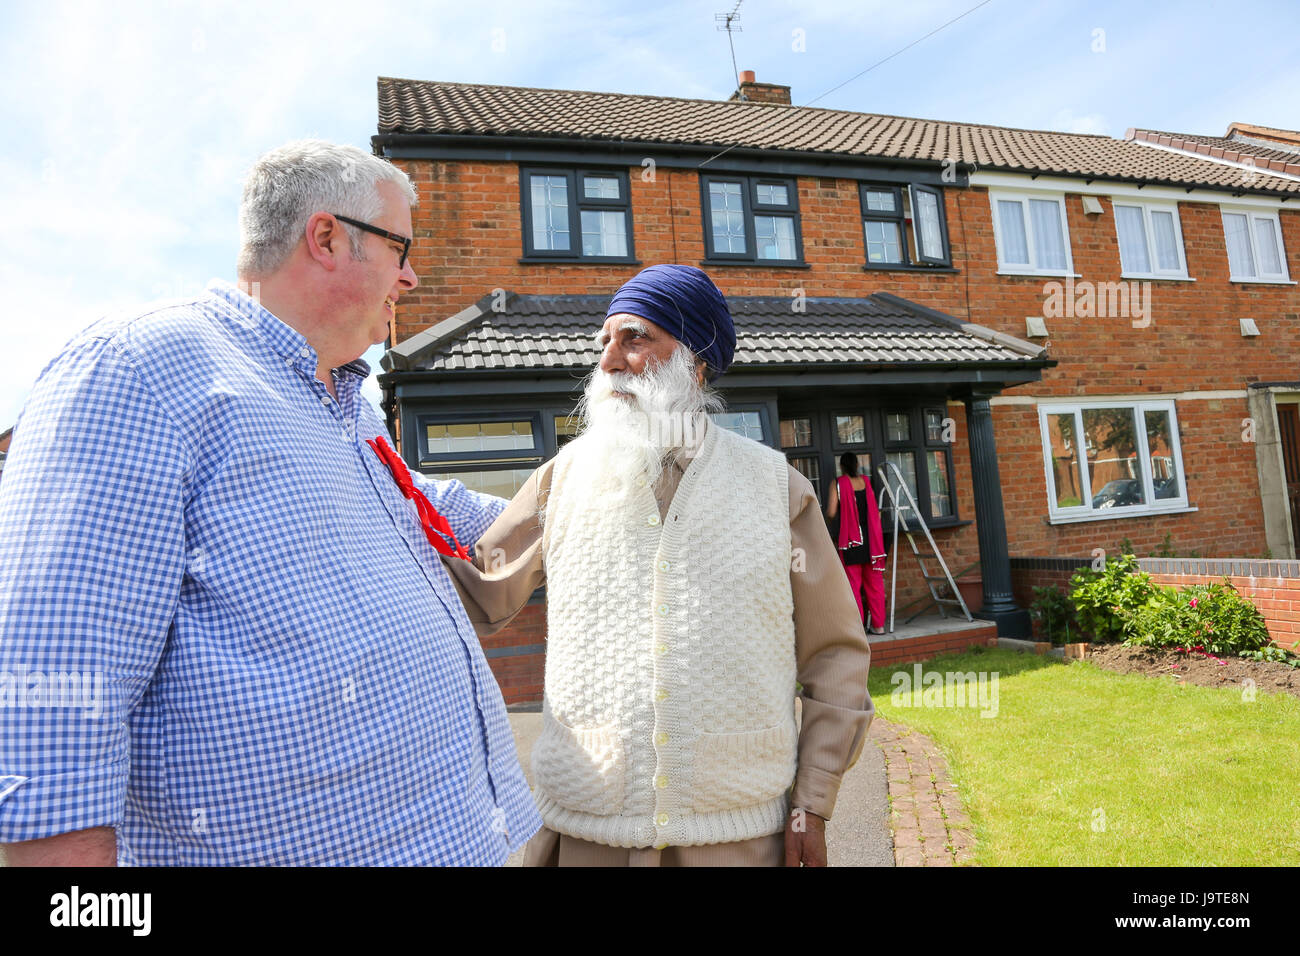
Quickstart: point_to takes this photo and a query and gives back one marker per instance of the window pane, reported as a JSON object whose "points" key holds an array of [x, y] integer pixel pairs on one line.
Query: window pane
{"points": [[1011, 222], [1241, 261], [727, 213], [604, 233], [811, 469], [881, 200], [940, 496], [898, 426], [502, 483], [550, 195], [600, 187], [883, 243], [927, 215], [566, 429], [1166, 243], [479, 436], [1270, 264], [1049, 241], [851, 429], [905, 461], [1111, 444], [796, 432], [773, 194], [774, 236], [1067, 474], [934, 426], [748, 424], [1164, 470], [1132, 239]]}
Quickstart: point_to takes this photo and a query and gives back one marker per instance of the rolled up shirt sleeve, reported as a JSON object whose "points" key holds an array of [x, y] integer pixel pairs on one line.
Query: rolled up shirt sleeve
{"points": [[92, 556], [833, 658]]}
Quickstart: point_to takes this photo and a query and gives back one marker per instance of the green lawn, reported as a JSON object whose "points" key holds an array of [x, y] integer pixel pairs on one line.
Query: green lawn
{"points": [[1085, 767]]}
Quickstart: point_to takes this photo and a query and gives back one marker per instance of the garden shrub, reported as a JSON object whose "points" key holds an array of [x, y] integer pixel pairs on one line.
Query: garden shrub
{"points": [[1055, 614], [1105, 600]]}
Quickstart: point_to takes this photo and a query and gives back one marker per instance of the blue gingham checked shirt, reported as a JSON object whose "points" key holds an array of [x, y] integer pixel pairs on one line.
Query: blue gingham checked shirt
{"points": [[287, 675]]}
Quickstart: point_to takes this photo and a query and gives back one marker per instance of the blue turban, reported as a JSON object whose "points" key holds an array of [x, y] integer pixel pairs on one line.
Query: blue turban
{"points": [[683, 301]]}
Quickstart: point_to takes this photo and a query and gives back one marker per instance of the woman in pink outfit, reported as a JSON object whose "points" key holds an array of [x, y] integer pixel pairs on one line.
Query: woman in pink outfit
{"points": [[860, 541]]}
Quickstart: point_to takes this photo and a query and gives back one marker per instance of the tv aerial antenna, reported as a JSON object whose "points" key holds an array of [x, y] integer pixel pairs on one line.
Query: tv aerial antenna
{"points": [[731, 23]]}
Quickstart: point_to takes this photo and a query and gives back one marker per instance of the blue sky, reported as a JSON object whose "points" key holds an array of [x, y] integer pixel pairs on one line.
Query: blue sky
{"points": [[127, 126]]}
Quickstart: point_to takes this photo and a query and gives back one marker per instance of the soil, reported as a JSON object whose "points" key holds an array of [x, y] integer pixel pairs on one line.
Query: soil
{"points": [[1195, 667]]}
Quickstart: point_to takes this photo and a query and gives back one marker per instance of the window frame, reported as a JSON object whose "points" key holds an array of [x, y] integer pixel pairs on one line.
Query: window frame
{"points": [[499, 460], [578, 204], [1023, 198], [750, 207], [764, 423], [1084, 511], [1147, 209], [905, 215], [1252, 213]]}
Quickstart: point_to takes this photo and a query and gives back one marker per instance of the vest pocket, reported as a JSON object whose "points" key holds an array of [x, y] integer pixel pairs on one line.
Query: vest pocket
{"points": [[733, 771], [580, 768]]}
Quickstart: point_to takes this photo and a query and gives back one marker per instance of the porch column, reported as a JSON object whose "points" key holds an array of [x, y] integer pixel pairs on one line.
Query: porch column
{"points": [[995, 561]]}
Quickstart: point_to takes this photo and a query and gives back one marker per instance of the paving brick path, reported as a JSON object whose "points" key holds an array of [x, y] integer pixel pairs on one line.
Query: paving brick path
{"points": [[930, 824]]}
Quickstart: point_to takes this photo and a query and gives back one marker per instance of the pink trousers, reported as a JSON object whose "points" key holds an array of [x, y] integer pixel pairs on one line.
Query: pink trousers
{"points": [[871, 583]]}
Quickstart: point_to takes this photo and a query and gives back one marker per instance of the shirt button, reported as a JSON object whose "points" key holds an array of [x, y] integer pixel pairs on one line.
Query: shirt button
{"points": [[661, 782], [661, 738], [664, 565], [305, 351], [324, 399], [652, 520], [661, 820]]}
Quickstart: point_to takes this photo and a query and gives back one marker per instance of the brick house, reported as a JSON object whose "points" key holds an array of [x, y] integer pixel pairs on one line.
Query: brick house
{"points": [[1121, 317]]}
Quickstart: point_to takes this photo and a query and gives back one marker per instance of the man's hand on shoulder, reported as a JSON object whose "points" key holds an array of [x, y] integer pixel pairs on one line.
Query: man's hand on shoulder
{"points": [[805, 839]]}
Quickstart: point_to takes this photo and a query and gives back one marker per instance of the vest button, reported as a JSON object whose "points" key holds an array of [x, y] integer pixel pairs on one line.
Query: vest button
{"points": [[661, 782], [661, 648], [661, 738], [664, 565], [661, 693], [661, 820], [652, 520], [663, 610]]}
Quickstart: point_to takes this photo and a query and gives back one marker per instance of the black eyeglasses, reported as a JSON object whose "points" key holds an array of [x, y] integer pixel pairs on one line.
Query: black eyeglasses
{"points": [[406, 243]]}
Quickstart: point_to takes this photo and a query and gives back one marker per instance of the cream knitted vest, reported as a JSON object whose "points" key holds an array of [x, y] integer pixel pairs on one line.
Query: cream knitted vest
{"points": [[670, 660]]}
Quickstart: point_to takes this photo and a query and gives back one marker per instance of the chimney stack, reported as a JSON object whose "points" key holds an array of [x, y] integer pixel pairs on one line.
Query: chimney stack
{"points": [[753, 91]]}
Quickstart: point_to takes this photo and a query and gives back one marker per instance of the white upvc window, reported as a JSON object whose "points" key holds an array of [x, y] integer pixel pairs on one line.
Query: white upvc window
{"points": [[1254, 241], [1111, 458], [1030, 233], [1150, 240]]}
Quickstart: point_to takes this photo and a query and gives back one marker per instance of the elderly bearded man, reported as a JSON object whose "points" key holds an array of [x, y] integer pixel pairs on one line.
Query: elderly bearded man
{"points": [[678, 620], [201, 511]]}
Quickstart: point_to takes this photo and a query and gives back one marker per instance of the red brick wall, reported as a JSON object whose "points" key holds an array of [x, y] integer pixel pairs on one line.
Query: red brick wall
{"points": [[519, 674]]}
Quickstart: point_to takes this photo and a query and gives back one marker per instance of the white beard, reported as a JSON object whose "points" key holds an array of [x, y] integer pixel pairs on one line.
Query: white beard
{"points": [[625, 438]]}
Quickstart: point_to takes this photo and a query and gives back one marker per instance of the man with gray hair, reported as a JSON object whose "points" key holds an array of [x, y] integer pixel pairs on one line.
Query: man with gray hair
{"points": [[202, 522]]}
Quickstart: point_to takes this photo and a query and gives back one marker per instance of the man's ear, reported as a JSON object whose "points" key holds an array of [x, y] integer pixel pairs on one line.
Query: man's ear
{"points": [[701, 368], [325, 239]]}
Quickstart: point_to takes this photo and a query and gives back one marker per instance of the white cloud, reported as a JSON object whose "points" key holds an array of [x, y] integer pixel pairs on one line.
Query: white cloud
{"points": [[1067, 122]]}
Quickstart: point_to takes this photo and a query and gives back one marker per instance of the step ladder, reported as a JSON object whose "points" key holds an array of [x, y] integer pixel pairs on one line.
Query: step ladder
{"points": [[903, 504]]}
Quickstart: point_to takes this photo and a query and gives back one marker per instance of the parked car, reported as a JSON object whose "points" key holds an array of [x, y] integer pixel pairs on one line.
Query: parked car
{"points": [[1118, 493]]}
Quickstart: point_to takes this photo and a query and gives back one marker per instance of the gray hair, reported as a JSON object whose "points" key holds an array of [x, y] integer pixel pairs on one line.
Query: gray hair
{"points": [[289, 184]]}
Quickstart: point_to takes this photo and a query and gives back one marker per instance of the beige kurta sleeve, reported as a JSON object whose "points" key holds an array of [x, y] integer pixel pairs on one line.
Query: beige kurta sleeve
{"points": [[507, 564], [832, 656]]}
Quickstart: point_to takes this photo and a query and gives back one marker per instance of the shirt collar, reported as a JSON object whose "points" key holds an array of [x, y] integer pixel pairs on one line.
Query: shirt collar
{"points": [[286, 342]]}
